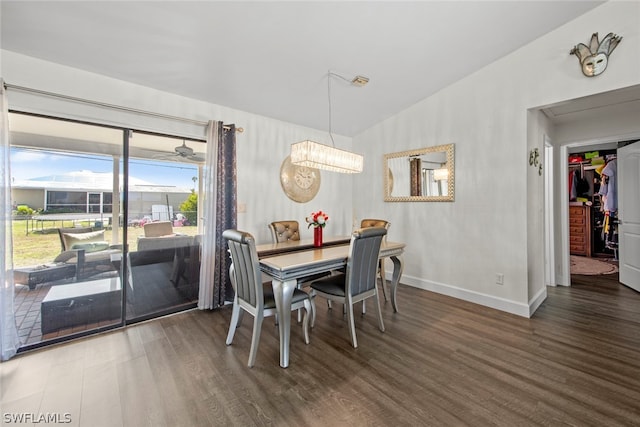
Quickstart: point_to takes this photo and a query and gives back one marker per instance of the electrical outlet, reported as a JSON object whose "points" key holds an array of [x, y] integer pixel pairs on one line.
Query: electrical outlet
{"points": [[499, 278], [242, 208]]}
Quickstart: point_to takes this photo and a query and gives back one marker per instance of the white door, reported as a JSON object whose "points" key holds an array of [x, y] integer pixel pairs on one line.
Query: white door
{"points": [[629, 214], [549, 232]]}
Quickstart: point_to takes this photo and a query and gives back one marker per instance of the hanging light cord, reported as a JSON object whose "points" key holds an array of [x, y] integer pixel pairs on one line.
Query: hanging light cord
{"points": [[329, 75], [329, 95]]}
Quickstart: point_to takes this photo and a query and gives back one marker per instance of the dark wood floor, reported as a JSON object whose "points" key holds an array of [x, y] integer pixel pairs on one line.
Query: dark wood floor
{"points": [[441, 362]]}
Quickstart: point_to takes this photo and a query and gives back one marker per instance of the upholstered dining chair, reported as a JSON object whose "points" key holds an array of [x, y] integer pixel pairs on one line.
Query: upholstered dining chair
{"points": [[370, 222], [253, 296], [286, 231], [359, 281]]}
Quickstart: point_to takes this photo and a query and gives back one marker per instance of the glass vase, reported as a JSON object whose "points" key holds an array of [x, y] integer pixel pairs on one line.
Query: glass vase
{"points": [[317, 237]]}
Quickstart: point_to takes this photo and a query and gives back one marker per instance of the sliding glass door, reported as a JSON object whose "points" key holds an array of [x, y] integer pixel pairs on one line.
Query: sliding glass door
{"points": [[104, 226]]}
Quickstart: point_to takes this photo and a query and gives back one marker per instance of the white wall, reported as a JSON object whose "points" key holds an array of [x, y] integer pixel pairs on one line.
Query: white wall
{"points": [[261, 148], [537, 129], [457, 248]]}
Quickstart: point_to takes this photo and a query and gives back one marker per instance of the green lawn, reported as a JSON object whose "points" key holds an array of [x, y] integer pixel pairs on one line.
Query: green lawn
{"points": [[42, 246]]}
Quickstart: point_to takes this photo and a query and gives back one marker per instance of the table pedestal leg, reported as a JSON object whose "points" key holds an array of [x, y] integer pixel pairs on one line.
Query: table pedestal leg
{"points": [[395, 279]]}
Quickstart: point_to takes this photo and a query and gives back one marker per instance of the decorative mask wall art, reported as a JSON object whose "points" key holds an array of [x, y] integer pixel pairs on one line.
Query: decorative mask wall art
{"points": [[595, 57]]}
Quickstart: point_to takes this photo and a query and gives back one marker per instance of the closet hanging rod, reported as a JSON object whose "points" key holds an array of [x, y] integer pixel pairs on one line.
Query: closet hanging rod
{"points": [[112, 106]]}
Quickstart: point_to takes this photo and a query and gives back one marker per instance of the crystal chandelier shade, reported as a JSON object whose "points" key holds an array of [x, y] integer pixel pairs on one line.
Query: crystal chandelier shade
{"points": [[315, 155]]}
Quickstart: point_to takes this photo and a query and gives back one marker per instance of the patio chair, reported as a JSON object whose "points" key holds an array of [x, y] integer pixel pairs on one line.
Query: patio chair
{"points": [[86, 249]]}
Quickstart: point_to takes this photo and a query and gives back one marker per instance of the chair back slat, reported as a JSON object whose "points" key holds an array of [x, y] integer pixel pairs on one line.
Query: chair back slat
{"points": [[362, 265], [246, 267]]}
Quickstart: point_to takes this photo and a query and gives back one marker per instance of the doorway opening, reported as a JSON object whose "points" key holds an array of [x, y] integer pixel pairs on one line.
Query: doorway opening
{"points": [[591, 123], [590, 202]]}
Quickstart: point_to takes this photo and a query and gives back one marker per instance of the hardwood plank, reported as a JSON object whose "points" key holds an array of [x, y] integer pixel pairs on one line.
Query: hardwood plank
{"points": [[101, 396], [139, 396], [63, 392]]}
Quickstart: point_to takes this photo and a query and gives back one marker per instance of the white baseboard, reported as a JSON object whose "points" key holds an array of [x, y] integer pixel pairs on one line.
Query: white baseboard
{"points": [[537, 299], [513, 307]]}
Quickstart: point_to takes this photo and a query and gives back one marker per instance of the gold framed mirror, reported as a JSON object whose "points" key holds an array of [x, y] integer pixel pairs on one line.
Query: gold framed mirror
{"points": [[420, 175]]}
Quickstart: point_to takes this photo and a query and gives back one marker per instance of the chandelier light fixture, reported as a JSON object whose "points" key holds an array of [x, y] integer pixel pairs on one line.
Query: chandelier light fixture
{"points": [[313, 154], [440, 174]]}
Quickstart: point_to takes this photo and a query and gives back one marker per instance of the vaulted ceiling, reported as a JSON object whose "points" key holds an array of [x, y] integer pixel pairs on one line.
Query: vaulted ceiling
{"points": [[273, 58]]}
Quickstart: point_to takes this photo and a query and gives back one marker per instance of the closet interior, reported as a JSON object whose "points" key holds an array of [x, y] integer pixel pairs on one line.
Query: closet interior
{"points": [[592, 218]]}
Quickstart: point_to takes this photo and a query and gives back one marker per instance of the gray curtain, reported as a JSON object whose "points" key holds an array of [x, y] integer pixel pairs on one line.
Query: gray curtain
{"points": [[219, 212]]}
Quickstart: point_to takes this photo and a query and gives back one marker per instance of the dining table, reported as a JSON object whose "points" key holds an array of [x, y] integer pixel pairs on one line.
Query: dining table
{"points": [[286, 262]]}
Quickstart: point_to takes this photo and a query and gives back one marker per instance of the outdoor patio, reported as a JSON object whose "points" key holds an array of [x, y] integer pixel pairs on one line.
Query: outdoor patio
{"points": [[154, 293], [28, 315]]}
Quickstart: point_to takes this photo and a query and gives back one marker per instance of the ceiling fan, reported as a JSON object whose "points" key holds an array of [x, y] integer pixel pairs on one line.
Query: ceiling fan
{"points": [[183, 152]]}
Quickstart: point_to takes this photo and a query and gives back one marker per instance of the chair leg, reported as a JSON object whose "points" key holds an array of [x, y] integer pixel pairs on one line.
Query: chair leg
{"points": [[351, 323], [383, 280], [305, 320], [235, 314], [255, 338], [80, 265], [240, 317], [299, 310], [380, 321], [312, 303]]}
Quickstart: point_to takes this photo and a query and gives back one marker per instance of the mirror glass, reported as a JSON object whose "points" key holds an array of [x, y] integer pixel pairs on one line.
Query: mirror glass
{"points": [[421, 175]]}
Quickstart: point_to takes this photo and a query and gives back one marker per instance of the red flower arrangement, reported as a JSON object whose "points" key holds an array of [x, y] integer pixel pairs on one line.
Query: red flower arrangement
{"points": [[317, 219]]}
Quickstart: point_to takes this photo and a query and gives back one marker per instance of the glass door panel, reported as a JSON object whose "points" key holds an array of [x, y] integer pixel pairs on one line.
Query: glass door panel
{"points": [[162, 226], [67, 248]]}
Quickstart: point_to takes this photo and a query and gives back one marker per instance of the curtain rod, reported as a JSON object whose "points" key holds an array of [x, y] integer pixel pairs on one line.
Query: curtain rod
{"points": [[112, 106]]}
